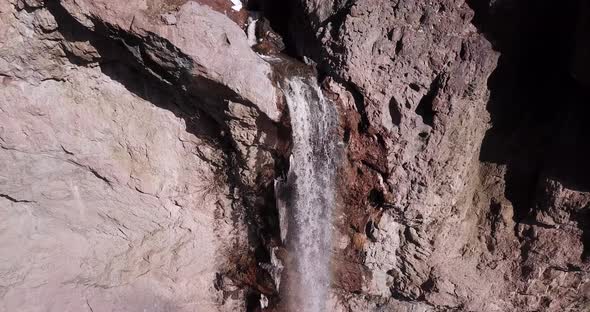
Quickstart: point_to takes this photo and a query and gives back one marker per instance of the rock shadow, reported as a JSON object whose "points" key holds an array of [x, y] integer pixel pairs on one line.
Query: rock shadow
{"points": [[118, 62], [539, 95], [538, 109]]}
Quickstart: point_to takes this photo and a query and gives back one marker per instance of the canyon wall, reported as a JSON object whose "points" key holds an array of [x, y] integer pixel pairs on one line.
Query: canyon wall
{"points": [[140, 142], [470, 192], [117, 132]]}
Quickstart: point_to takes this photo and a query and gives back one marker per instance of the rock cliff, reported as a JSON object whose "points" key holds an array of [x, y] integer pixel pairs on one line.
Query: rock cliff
{"points": [[141, 142]]}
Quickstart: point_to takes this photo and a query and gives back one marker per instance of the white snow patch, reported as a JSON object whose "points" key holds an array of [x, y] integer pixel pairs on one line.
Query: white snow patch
{"points": [[252, 30], [263, 301], [237, 5]]}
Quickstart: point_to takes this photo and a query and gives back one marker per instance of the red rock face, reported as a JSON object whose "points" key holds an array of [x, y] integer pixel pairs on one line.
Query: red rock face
{"points": [[457, 224]]}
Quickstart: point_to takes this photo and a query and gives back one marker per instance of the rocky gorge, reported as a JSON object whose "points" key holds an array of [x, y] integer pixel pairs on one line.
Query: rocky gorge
{"points": [[297, 155]]}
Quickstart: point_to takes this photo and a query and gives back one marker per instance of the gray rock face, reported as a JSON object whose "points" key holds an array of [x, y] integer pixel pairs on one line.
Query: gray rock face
{"points": [[114, 193], [107, 202]]}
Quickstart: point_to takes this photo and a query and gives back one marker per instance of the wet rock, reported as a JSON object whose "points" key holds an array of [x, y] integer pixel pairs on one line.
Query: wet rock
{"points": [[268, 41]]}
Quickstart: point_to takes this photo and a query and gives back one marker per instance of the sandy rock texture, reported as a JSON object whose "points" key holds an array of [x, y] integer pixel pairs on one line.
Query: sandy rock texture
{"points": [[121, 124], [439, 212], [107, 201]]}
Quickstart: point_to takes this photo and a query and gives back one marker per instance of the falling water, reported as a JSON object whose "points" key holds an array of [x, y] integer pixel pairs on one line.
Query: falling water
{"points": [[311, 177]]}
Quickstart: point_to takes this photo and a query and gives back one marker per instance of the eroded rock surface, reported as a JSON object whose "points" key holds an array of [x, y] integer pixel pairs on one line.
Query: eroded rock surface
{"points": [[437, 218], [140, 142]]}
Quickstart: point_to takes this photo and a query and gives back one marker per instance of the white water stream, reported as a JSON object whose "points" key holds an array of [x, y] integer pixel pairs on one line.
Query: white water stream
{"points": [[312, 181]]}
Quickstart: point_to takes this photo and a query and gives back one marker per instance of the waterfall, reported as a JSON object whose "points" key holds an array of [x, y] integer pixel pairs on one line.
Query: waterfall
{"points": [[311, 181]]}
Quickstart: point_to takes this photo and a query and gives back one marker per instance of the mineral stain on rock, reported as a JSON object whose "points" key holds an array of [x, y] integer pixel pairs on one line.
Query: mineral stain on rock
{"points": [[300, 155]]}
